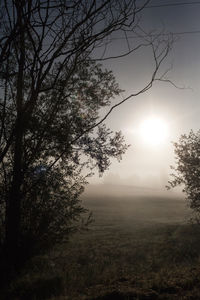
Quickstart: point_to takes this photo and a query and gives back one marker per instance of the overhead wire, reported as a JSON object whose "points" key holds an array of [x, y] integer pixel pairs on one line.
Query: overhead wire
{"points": [[166, 5], [172, 4], [154, 34]]}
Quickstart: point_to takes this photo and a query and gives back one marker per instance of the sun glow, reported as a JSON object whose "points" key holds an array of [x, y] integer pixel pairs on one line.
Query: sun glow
{"points": [[153, 131]]}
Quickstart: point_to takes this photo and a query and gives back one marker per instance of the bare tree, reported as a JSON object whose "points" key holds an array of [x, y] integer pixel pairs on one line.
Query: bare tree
{"points": [[52, 89]]}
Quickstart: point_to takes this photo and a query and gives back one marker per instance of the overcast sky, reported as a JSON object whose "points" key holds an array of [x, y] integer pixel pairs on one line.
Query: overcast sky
{"points": [[145, 164]]}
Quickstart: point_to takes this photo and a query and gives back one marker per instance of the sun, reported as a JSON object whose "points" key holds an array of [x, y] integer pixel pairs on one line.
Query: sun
{"points": [[153, 131]]}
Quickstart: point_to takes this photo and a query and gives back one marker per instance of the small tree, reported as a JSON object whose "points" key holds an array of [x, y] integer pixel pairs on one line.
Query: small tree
{"points": [[187, 169]]}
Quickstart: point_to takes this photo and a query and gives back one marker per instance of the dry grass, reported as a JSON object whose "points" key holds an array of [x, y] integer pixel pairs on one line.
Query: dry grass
{"points": [[136, 249]]}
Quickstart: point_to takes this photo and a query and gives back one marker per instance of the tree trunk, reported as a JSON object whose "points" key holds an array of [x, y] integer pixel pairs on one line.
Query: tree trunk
{"points": [[13, 207]]}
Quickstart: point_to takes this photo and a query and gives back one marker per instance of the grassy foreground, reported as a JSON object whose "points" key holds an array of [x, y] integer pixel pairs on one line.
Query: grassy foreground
{"points": [[137, 248]]}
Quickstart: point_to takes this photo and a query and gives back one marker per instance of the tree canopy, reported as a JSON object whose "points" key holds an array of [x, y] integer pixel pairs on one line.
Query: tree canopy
{"points": [[187, 169], [52, 91]]}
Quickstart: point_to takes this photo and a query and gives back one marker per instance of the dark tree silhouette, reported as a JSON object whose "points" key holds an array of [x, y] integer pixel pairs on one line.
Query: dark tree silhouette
{"points": [[187, 169], [52, 90]]}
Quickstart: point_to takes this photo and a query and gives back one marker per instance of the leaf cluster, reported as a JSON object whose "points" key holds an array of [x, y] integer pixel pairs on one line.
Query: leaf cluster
{"points": [[187, 169]]}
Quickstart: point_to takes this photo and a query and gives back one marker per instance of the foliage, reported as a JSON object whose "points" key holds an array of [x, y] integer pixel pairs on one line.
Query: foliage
{"points": [[52, 95], [187, 169], [50, 206]]}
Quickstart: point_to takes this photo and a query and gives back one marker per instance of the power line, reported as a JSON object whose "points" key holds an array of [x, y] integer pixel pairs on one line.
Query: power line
{"points": [[154, 34], [164, 5], [173, 33], [172, 4], [186, 32], [169, 4]]}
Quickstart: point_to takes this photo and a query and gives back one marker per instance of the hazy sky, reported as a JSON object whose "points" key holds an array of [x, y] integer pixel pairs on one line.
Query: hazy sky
{"points": [[145, 164]]}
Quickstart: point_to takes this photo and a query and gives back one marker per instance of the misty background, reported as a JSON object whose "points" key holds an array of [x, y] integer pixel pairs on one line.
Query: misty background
{"points": [[144, 165]]}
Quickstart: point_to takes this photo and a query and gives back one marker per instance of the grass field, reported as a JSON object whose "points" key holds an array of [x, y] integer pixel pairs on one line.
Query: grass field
{"points": [[139, 247]]}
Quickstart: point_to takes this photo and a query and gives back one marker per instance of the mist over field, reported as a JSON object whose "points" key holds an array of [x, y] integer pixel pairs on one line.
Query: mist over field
{"points": [[140, 245], [128, 205], [117, 190]]}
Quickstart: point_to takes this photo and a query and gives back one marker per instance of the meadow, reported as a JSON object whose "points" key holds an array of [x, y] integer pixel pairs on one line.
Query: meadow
{"points": [[138, 247]]}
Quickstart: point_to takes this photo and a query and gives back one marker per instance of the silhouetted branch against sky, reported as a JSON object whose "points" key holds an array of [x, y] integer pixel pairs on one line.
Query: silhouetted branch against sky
{"points": [[56, 30], [58, 33], [160, 50], [39, 39]]}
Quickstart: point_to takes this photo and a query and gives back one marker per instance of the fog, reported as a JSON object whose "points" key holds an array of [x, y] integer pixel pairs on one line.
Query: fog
{"points": [[96, 191], [143, 165]]}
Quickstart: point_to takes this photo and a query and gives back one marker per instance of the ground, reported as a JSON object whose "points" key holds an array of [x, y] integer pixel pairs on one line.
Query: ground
{"points": [[138, 247]]}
